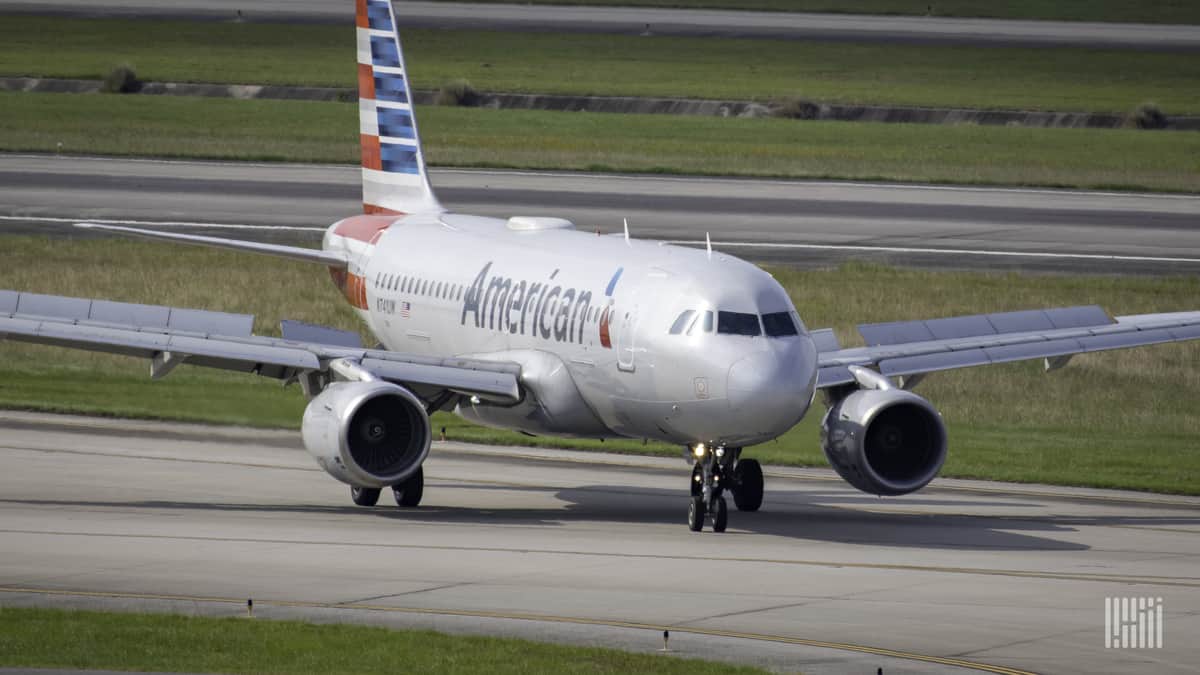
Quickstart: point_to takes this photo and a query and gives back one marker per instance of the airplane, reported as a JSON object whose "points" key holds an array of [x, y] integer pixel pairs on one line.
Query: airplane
{"points": [[529, 324]]}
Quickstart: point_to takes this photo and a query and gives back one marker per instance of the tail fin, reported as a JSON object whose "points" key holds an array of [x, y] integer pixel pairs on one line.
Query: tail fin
{"points": [[393, 167]]}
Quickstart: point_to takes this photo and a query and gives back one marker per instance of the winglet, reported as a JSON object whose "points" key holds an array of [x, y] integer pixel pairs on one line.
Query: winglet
{"points": [[626, 221]]}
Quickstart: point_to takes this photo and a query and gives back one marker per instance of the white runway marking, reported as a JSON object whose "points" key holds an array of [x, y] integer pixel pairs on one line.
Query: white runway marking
{"points": [[159, 223], [951, 251]]}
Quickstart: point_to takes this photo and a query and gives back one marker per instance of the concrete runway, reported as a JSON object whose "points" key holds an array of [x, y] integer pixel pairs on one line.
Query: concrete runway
{"points": [[638, 21], [789, 222], [593, 549]]}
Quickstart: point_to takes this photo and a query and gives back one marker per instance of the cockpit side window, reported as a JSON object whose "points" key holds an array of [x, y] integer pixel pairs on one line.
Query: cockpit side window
{"points": [[682, 321], [779, 324], [708, 321], [737, 323]]}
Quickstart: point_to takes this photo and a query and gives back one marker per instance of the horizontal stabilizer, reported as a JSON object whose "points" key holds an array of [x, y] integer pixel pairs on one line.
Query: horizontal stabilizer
{"points": [[311, 255], [978, 325], [298, 331]]}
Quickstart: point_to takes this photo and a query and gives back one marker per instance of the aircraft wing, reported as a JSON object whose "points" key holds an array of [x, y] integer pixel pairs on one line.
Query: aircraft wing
{"points": [[311, 355], [910, 349]]}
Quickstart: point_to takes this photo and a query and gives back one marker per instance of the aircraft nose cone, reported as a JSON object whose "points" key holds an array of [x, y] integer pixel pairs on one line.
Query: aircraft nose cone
{"points": [[752, 378], [771, 390]]}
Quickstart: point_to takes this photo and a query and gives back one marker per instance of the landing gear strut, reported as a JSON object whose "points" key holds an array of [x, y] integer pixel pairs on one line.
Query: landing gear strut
{"points": [[714, 471]]}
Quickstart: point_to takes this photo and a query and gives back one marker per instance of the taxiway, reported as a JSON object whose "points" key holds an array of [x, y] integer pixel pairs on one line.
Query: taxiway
{"points": [[772, 221], [592, 549]]}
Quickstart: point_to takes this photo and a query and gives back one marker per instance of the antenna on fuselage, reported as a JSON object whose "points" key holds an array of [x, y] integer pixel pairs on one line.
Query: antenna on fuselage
{"points": [[626, 221], [708, 245]]}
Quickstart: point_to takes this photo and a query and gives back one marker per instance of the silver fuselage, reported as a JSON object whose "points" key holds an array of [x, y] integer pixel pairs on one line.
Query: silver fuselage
{"points": [[589, 318]]}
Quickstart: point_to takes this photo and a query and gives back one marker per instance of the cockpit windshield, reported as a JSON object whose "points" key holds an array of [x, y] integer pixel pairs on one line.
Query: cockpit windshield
{"points": [[774, 324], [779, 324], [737, 323], [681, 323]]}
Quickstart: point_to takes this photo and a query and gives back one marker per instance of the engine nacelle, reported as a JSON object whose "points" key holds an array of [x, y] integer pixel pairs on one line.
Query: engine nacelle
{"points": [[367, 434], [884, 441]]}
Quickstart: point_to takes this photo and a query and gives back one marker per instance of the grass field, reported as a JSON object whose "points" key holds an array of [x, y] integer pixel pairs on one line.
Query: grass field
{"points": [[43, 638], [894, 74], [1120, 419], [1154, 11], [308, 132]]}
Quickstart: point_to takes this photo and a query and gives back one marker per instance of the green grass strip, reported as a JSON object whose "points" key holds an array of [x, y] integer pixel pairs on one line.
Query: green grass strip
{"points": [[328, 132], [1122, 419], [1072, 79], [45, 638], [1152, 11]]}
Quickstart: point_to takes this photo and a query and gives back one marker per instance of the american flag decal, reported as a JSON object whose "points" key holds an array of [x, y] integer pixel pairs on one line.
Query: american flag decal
{"points": [[405, 310]]}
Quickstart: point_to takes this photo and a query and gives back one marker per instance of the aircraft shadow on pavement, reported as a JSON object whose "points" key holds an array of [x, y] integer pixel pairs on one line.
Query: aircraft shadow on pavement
{"points": [[827, 516]]}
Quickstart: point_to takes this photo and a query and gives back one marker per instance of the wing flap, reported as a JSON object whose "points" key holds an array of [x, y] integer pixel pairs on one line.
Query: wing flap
{"points": [[978, 325], [299, 331], [1058, 333], [171, 335], [127, 314]]}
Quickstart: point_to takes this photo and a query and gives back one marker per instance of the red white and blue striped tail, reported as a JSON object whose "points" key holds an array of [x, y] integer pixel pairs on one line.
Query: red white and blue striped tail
{"points": [[393, 167]]}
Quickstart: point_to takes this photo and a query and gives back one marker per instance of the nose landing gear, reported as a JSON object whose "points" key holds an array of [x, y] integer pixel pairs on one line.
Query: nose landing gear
{"points": [[714, 470]]}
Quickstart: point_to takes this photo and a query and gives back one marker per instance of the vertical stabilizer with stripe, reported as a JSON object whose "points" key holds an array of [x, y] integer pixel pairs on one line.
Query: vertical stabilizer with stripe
{"points": [[393, 167]]}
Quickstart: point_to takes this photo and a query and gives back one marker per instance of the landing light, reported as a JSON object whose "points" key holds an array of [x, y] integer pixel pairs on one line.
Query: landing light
{"points": [[699, 449]]}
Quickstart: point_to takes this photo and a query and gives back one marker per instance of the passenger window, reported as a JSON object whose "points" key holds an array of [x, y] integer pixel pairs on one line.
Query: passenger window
{"points": [[424, 287], [779, 324], [682, 321], [738, 323]]}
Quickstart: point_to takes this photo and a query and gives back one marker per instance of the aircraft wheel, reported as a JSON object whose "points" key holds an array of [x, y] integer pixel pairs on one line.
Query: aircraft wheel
{"points": [[696, 514], [408, 494], [720, 515], [365, 496], [748, 485]]}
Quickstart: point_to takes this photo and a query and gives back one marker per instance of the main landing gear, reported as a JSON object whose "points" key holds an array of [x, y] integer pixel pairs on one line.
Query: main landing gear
{"points": [[714, 471], [408, 494]]}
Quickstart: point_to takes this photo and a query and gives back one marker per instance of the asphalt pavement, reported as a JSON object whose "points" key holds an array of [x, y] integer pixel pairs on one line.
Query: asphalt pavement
{"points": [[593, 549], [805, 223], [654, 21]]}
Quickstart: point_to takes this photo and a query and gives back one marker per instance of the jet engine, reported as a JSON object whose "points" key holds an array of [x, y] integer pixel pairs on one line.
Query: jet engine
{"points": [[884, 441], [367, 434]]}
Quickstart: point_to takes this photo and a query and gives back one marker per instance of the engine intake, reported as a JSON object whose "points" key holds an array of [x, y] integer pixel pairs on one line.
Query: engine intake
{"points": [[884, 442], [367, 434]]}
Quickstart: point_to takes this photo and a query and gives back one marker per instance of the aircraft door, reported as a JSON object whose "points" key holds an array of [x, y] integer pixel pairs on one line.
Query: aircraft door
{"points": [[625, 341]]}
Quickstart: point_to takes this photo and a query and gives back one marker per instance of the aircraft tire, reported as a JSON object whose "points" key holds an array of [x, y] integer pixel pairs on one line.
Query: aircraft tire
{"points": [[696, 514], [365, 496], [720, 515], [748, 485], [408, 494]]}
